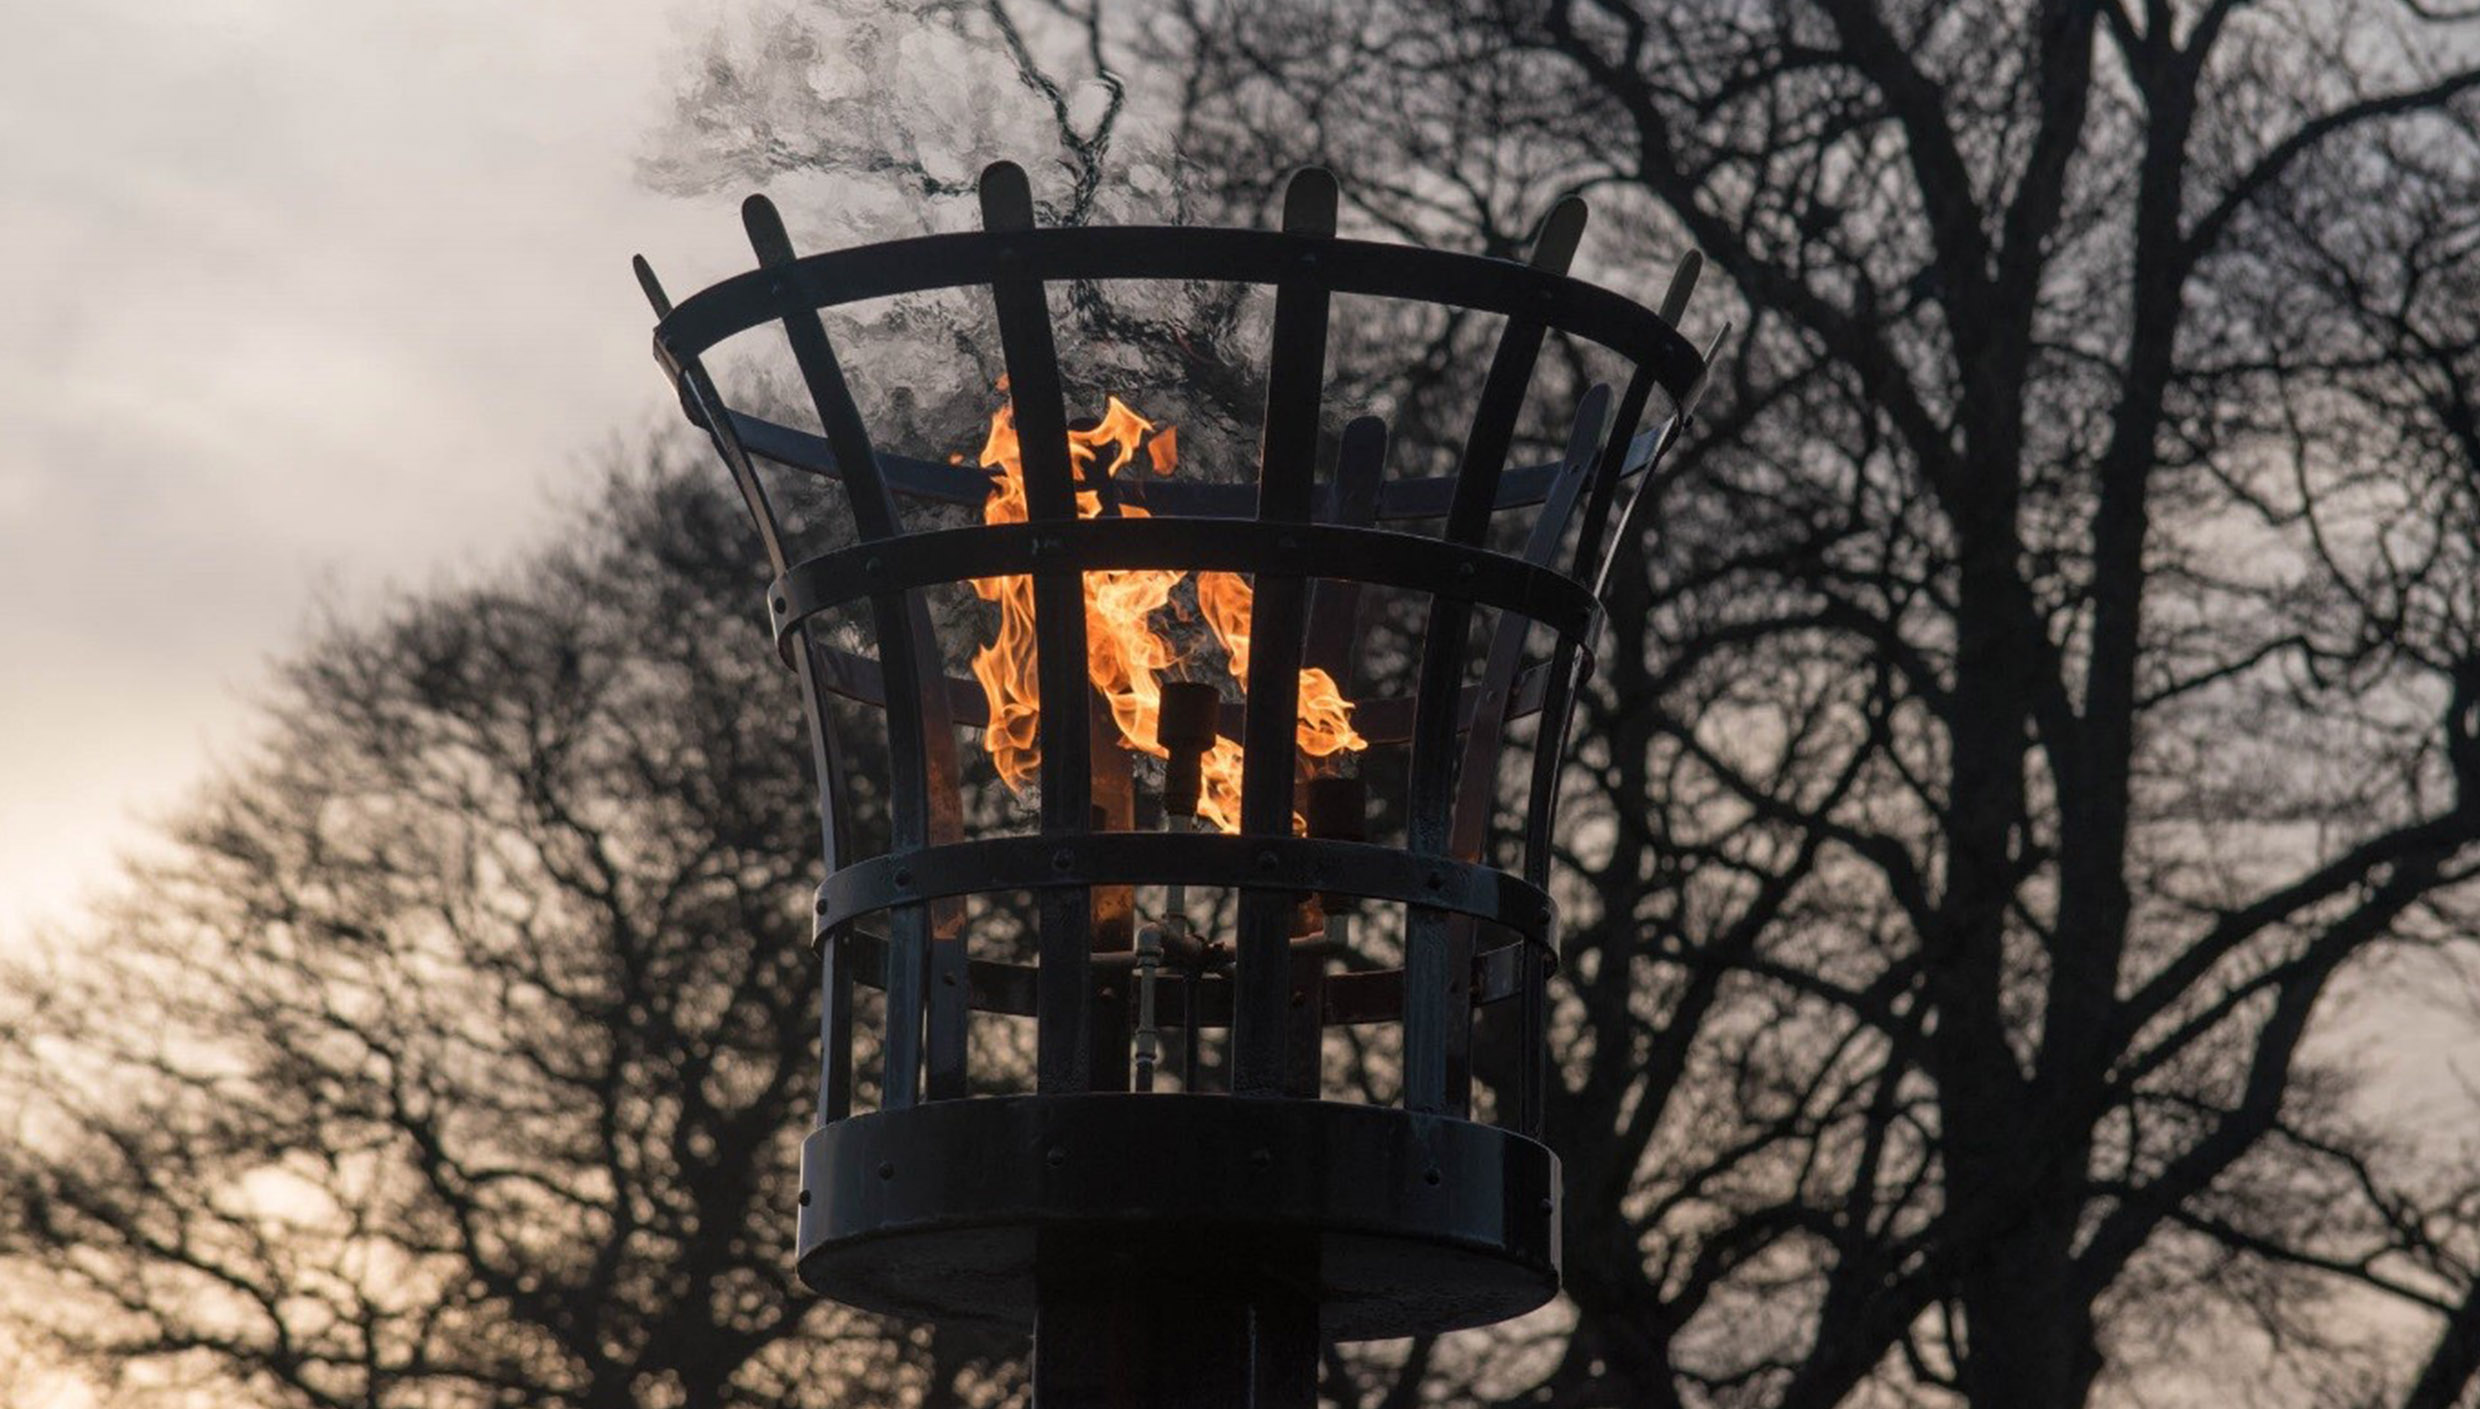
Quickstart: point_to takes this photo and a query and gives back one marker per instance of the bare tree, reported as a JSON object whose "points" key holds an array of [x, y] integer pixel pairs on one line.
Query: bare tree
{"points": [[2058, 666], [459, 1050], [2049, 683]]}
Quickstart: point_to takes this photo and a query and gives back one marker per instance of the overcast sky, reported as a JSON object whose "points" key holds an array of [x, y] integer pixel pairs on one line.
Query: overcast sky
{"points": [[301, 297]]}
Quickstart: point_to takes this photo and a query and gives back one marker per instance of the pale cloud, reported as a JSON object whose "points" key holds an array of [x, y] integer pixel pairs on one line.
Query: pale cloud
{"points": [[296, 293]]}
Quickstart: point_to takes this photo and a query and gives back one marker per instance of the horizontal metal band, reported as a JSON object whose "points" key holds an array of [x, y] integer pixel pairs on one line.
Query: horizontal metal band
{"points": [[978, 1208], [1425, 498], [1167, 252], [1346, 999], [1188, 858], [1385, 719], [1371, 555]]}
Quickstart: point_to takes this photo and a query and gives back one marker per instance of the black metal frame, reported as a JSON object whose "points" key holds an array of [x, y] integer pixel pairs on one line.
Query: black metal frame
{"points": [[1475, 933]]}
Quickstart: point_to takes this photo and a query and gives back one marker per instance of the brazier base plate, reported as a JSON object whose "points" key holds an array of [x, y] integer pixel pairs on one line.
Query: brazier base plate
{"points": [[983, 1208]]}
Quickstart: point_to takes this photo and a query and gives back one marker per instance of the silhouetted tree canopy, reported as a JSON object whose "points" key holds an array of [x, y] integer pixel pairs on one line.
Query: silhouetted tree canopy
{"points": [[2049, 685], [459, 1052], [2043, 716]]}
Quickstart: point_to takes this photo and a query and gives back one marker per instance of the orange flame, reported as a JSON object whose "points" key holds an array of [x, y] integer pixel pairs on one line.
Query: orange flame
{"points": [[1124, 651]]}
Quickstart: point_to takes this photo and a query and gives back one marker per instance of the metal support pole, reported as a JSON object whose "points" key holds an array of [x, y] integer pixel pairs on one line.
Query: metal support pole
{"points": [[1227, 1332]]}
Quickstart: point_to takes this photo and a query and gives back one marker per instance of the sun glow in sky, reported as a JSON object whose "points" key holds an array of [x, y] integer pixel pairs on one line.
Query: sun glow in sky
{"points": [[303, 299]]}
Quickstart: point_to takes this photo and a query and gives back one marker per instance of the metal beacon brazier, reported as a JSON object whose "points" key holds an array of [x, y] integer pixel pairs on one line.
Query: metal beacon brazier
{"points": [[1090, 1078]]}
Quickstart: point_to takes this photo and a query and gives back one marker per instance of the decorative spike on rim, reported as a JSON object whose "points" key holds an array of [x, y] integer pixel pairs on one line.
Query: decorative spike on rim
{"points": [[1310, 201], [1006, 197], [1562, 232], [1683, 287], [652, 286]]}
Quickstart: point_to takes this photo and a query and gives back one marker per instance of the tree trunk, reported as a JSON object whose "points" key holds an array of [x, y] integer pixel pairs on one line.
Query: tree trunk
{"points": [[2453, 1361], [2028, 1328]]}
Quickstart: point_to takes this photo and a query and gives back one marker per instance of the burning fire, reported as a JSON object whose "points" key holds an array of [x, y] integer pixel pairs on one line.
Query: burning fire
{"points": [[1125, 652]]}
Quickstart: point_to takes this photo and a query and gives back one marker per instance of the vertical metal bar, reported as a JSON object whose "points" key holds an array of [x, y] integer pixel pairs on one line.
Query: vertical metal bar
{"points": [[1591, 564], [1191, 976], [1590, 553], [1477, 777], [1114, 907], [1567, 671], [1064, 1017], [1334, 606], [835, 984], [1334, 615], [1434, 975], [949, 1006], [1111, 1027], [1681, 418], [705, 407], [917, 727], [834, 1031], [1607, 476], [835, 1028], [1287, 461]]}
